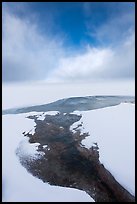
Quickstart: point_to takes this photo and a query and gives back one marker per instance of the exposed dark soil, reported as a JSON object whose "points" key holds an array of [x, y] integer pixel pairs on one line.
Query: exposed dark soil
{"points": [[67, 163]]}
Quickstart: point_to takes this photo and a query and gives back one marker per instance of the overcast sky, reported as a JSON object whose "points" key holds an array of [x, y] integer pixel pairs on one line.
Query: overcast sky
{"points": [[65, 42]]}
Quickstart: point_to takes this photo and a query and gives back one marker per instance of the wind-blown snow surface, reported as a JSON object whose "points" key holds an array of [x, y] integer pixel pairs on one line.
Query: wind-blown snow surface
{"points": [[113, 128], [18, 184]]}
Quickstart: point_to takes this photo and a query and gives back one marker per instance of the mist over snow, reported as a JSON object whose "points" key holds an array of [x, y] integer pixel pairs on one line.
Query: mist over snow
{"points": [[26, 94]]}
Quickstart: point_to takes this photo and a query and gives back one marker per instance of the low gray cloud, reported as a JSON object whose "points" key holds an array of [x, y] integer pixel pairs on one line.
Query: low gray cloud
{"points": [[29, 55], [26, 53]]}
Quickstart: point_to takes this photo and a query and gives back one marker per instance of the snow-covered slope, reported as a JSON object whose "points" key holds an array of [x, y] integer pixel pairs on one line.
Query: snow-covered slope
{"points": [[18, 184], [113, 128]]}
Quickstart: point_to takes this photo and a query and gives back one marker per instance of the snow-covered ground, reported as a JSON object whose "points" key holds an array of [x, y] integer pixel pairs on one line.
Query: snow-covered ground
{"points": [[18, 184], [113, 128], [43, 115], [18, 95]]}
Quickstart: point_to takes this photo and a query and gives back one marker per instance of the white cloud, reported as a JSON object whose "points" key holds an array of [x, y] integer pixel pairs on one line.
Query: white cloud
{"points": [[98, 63], [123, 62], [27, 54], [114, 30], [109, 22], [82, 66]]}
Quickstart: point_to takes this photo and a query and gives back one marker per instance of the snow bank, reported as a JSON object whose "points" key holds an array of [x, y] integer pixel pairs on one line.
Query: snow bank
{"points": [[113, 128], [18, 184], [42, 117], [29, 151], [77, 126]]}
